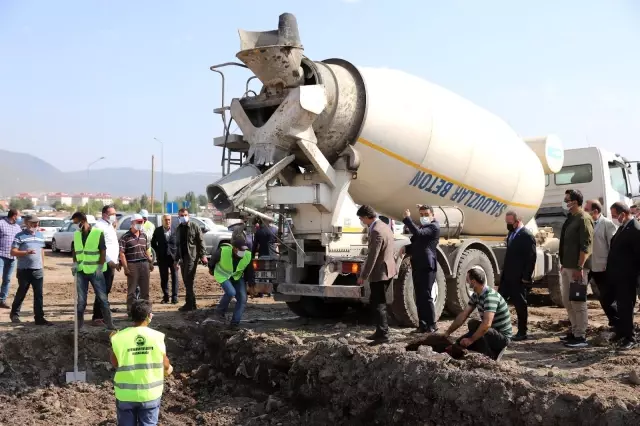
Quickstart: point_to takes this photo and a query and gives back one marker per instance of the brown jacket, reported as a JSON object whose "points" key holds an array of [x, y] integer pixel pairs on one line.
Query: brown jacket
{"points": [[380, 264]]}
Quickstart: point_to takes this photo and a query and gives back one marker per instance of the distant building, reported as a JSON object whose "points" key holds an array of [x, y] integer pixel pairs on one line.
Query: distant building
{"points": [[103, 197], [59, 197], [126, 200], [28, 196]]}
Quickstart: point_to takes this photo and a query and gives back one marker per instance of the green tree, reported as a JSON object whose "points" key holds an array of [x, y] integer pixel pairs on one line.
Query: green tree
{"points": [[191, 198], [57, 205], [144, 202], [203, 200], [20, 204]]}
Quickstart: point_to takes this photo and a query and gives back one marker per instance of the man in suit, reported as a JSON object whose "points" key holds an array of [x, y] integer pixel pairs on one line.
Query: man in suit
{"points": [[163, 243], [379, 268], [603, 231], [424, 264], [623, 269], [519, 263], [189, 250]]}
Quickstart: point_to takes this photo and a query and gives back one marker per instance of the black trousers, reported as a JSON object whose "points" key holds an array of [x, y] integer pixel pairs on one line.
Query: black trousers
{"points": [[607, 297], [378, 302], [165, 267], [29, 278], [516, 293], [108, 280], [188, 277], [423, 280], [626, 293], [491, 344]]}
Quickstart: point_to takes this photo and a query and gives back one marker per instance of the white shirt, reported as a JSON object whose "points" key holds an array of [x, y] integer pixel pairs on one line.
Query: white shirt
{"points": [[110, 240]]}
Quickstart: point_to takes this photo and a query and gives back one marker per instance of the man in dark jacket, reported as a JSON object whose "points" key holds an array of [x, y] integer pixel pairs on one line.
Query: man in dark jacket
{"points": [[189, 249], [519, 263], [623, 269], [424, 264], [163, 243]]}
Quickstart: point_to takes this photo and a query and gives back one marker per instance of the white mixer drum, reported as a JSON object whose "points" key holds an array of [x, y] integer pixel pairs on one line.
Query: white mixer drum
{"points": [[422, 144]]}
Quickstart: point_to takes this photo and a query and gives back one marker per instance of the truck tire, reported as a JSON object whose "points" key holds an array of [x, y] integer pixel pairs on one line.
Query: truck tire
{"points": [[403, 308], [555, 292], [457, 288], [316, 307]]}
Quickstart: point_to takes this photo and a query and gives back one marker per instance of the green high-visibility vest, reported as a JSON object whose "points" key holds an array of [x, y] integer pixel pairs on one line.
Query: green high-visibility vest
{"points": [[224, 268], [140, 373], [88, 254]]}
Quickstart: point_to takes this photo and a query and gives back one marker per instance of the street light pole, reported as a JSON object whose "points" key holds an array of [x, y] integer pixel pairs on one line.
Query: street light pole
{"points": [[91, 164], [161, 173]]}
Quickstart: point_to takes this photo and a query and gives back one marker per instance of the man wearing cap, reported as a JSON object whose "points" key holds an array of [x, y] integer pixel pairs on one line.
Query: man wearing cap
{"points": [[147, 226], [232, 268], [28, 248], [136, 260]]}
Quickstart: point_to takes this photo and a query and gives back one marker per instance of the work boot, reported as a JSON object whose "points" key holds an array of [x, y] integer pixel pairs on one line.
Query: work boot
{"points": [[3, 305], [520, 336], [187, 308], [43, 322]]}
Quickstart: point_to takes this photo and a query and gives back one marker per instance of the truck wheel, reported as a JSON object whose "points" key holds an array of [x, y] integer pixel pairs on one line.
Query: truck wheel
{"points": [[458, 292], [555, 292], [403, 307], [315, 307]]}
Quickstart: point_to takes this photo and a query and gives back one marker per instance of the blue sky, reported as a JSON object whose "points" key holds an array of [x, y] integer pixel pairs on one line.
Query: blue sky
{"points": [[82, 79]]}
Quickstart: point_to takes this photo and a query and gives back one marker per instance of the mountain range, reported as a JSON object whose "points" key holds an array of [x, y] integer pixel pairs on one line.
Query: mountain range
{"points": [[27, 173]]}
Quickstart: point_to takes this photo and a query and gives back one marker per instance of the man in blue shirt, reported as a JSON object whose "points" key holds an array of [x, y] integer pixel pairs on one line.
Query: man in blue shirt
{"points": [[28, 248]]}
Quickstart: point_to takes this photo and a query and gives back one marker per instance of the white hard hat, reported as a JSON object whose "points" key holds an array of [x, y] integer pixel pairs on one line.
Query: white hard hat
{"points": [[144, 213]]}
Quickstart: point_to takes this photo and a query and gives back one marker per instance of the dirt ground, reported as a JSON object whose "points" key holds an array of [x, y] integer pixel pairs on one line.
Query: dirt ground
{"points": [[279, 369]]}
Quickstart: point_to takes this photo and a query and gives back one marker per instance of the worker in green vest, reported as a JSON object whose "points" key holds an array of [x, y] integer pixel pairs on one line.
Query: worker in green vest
{"points": [[232, 267], [139, 356], [89, 263]]}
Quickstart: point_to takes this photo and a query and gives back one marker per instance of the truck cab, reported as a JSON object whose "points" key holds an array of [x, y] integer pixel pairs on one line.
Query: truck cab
{"points": [[598, 174]]}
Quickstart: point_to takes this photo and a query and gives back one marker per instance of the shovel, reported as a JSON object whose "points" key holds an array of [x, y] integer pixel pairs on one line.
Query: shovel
{"points": [[75, 375]]}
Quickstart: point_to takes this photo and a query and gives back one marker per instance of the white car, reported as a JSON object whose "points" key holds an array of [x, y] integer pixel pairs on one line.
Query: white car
{"points": [[61, 240], [48, 227]]}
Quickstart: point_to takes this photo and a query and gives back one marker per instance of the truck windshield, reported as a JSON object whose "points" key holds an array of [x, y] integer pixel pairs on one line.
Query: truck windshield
{"points": [[618, 178]]}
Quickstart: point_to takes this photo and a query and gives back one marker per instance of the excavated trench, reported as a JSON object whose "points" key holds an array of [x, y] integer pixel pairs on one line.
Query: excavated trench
{"points": [[246, 378]]}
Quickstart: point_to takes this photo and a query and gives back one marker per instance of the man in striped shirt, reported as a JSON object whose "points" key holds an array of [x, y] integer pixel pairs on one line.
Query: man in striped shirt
{"points": [[9, 228], [136, 260], [491, 336]]}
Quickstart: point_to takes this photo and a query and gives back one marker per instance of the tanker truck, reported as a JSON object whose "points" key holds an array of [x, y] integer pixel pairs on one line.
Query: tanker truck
{"points": [[326, 136]]}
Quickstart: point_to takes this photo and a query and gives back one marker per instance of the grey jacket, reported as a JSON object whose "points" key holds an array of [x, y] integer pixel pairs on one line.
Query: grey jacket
{"points": [[604, 231], [192, 233], [380, 264]]}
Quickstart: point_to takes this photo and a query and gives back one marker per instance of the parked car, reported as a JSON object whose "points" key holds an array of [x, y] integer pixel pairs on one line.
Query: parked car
{"points": [[213, 237], [61, 240], [48, 227]]}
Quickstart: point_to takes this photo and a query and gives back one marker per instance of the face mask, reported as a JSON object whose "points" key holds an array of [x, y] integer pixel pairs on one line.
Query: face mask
{"points": [[80, 225], [138, 226], [112, 219], [33, 229], [363, 224], [183, 219], [510, 227], [240, 253], [565, 206], [425, 220]]}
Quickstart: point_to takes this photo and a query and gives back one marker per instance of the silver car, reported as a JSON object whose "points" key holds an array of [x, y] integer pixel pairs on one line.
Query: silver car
{"points": [[48, 227], [212, 237], [61, 240]]}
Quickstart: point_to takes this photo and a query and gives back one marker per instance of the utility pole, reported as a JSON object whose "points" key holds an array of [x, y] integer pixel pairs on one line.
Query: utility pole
{"points": [[164, 199], [152, 171]]}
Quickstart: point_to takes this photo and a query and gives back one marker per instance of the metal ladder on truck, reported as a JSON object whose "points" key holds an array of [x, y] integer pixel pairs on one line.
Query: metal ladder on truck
{"points": [[234, 147]]}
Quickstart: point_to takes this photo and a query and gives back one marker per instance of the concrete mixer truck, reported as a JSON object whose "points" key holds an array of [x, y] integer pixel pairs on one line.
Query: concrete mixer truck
{"points": [[325, 136]]}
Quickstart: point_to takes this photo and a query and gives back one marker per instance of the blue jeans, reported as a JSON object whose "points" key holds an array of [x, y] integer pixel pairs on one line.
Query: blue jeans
{"points": [[137, 413], [6, 271], [99, 285], [237, 290]]}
